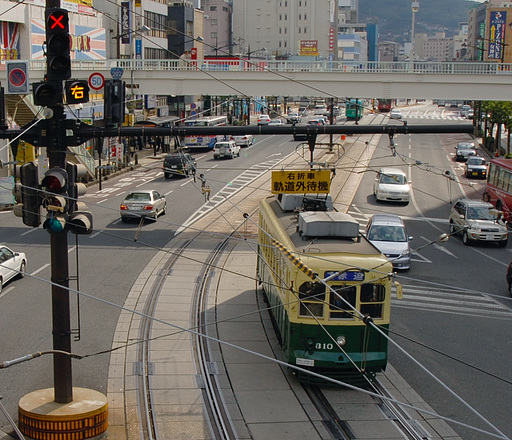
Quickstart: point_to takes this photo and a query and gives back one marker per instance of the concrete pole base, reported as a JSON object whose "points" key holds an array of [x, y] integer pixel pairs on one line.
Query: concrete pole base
{"points": [[41, 418]]}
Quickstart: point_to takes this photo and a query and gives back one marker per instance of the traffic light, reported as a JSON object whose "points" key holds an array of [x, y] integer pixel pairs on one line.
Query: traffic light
{"points": [[45, 94], [114, 101], [77, 91], [30, 194], [79, 220], [58, 60], [55, 186]]}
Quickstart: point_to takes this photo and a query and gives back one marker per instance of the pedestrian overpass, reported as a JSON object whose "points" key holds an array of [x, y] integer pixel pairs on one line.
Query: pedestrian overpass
{"points": [[237, 77]]}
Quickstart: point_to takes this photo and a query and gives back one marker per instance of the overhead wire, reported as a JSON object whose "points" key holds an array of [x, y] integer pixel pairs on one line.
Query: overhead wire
{"points": [[220, 341]]}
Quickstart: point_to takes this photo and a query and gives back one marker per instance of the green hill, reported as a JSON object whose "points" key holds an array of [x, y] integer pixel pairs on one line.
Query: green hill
{"points": [[394, 17]]}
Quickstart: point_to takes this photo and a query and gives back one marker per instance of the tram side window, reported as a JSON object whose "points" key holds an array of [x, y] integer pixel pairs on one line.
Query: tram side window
{"points": [[339, 300], [372, 299], [312, 296]]}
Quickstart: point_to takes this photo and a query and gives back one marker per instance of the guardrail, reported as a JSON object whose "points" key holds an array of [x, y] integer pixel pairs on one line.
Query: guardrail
{"points": [[446, 68]]}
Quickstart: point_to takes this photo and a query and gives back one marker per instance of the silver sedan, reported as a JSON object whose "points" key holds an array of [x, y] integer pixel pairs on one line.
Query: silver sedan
{"points": [[142, 204]]}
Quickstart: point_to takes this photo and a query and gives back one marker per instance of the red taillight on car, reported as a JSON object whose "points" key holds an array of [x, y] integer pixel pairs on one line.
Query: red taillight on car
{"points": [[124, 207], [148, 208]]}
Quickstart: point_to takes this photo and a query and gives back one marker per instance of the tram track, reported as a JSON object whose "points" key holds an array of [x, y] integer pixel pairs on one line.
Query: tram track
{"points": [[221, 422]]}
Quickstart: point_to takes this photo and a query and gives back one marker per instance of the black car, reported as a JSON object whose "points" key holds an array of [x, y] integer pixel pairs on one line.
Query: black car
{"points": [[509, 278], [178, 164], [475, 166]]}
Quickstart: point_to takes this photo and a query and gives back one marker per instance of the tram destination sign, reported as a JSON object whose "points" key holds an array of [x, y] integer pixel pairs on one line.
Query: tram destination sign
{"points": [[301, 182]]}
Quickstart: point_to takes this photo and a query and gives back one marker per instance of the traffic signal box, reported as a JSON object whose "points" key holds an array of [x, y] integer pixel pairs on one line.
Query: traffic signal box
{"points": [[30, 194], [77, 91], [61, 191], [79, 220], [58, 60], [55, 186], [114, 101]]}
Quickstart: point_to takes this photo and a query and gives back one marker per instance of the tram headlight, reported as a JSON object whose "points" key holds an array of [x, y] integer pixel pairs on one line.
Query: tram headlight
{"points": [[341, 340]]}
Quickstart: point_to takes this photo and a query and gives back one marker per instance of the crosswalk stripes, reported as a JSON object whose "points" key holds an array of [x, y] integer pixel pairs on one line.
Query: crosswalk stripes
{"points": [[432, 115], [451, 301], [241, 181]]}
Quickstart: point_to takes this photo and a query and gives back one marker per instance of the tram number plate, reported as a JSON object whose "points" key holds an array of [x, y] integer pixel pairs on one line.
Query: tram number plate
{"points": [[305, 362]]}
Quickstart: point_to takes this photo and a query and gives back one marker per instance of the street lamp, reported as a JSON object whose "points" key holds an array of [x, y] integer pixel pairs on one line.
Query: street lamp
{"points": [[249, 52], [415, 9], [230, 45]]}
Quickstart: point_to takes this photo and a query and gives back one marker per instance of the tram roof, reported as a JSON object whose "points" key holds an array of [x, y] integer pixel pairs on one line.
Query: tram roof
{"points": [[313, 245]]}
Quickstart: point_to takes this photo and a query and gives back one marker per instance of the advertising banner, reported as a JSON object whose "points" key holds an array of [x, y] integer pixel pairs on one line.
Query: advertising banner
{"points": [[496, 37], [309, 48]]}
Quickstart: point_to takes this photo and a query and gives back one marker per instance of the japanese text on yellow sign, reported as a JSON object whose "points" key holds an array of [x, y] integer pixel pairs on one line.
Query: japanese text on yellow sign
{"points": [[301, 182], [78, 91]]}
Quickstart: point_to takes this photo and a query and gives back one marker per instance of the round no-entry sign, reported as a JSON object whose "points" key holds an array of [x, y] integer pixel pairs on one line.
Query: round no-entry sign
{"points": [[96, 81]]}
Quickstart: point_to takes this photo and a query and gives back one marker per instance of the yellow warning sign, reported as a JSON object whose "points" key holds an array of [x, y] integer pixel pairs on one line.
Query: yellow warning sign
{"points": [[301, 182]]}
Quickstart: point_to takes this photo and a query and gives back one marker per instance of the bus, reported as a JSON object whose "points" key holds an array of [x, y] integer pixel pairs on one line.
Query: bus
{"points": [[499, 186], [354, 109], [208, 141], [385, 105]]}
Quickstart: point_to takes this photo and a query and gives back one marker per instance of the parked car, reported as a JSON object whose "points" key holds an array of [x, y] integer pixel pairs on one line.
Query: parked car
{"points": [[303, 111], [391, 184], [178, 164], [245, 140], [475, 166], [263, 119], [316, 121], [226, 149], [395, 114], [464, 150], [12, 265], [276, 122], [388, 234], [509, 278], [143, 204], [293, 118], [477, 220]]}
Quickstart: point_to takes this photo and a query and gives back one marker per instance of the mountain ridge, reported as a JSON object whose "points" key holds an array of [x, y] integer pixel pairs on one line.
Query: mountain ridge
{"points": [[395, 22]]}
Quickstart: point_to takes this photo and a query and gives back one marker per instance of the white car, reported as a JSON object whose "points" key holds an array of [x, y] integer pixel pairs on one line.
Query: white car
{"points": [[226, 149], [392, 185], [388, 234], [263, 119], [276, 122], [395, 114], [245, 140], [12, 265]]}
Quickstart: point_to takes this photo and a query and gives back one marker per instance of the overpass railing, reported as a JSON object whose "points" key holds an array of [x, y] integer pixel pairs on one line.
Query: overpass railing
{"points": [[417, 67]]}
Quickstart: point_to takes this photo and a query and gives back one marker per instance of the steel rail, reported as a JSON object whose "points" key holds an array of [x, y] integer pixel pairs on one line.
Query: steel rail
{"points": [[220, 419]]}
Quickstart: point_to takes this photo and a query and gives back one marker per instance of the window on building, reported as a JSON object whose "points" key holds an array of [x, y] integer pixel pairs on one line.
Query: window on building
{"points": [[213, 8], [213, 22], [213, 35]]}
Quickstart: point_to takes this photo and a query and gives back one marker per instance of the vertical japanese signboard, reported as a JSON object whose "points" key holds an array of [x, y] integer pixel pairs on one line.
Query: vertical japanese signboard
{"points": [[496, 36]]}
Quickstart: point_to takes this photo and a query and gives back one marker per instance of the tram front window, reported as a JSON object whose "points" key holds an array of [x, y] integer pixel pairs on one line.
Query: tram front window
{"points": [[340, 301], [372, 299], [312, 296]]}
